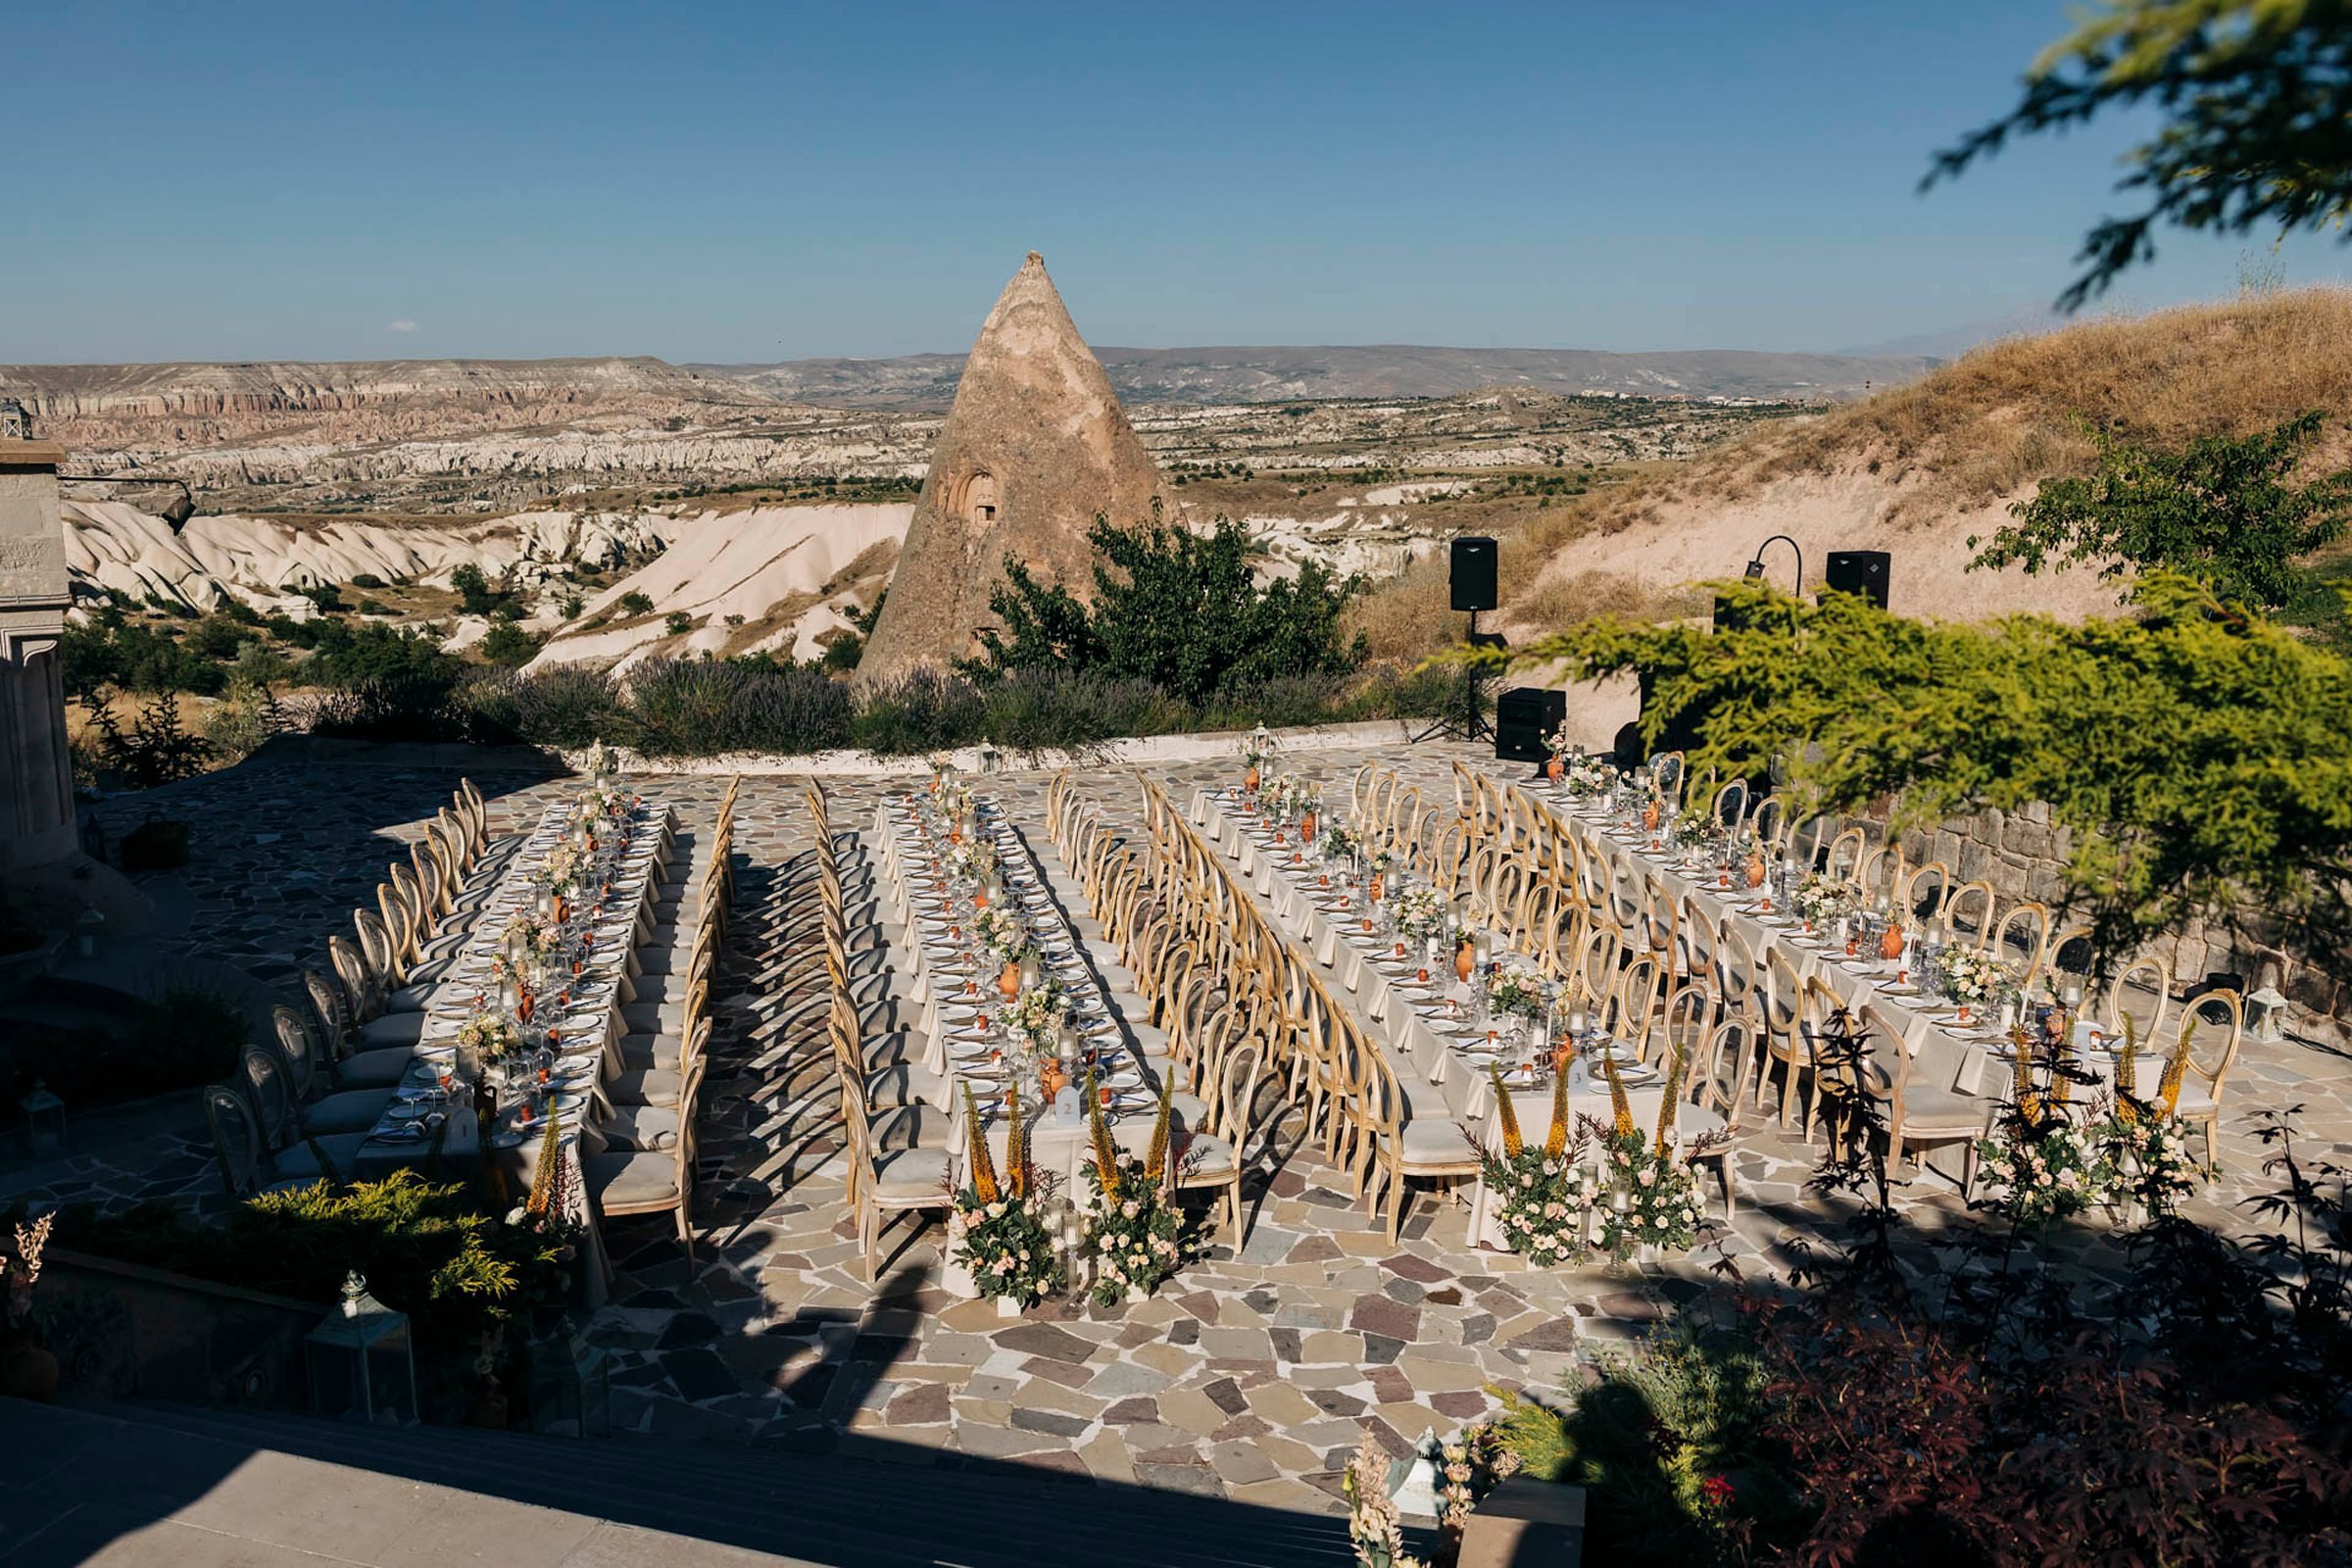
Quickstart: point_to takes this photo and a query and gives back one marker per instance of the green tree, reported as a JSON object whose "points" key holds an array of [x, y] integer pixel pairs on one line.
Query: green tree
{"points": [[2201, 758], [634, 602], [475, 596], [2224, 510], [2253, 108], [1179, 608]]}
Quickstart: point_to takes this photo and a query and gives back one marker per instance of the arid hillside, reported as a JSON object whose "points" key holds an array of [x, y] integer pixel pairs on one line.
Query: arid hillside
{"points": [[1918, 469]]}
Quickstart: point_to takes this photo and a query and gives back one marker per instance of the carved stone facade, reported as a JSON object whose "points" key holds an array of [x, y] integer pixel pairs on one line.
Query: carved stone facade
{"points": [[37, 774], [1035, 448]]}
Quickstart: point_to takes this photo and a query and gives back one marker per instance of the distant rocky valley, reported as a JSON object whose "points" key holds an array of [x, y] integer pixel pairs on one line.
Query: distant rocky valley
{"points": [[761, 521]]}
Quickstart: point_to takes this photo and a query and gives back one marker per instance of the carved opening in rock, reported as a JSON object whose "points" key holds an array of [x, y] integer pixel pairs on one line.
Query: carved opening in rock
{"points": [[976, 501]]}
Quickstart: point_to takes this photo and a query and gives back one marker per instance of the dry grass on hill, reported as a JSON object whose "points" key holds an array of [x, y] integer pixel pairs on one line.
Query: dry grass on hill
{"points": [[2011, 413], [1989, 425]]}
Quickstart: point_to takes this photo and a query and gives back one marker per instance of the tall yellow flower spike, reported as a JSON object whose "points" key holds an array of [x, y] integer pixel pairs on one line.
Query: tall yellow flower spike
{"points": [[1107, 1152], [1016, 1145], [2127, 1074], [551, 1161], [984, 1170], [1155, 1157], [1674, 1074], [2020, 1075], [1621, 1120], [1555, 1142], [1512, 1142], [2176, 1067]]}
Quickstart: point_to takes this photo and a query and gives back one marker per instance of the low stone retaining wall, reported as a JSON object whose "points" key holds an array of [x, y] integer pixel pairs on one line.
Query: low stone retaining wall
{"points": [[123, 1330]]}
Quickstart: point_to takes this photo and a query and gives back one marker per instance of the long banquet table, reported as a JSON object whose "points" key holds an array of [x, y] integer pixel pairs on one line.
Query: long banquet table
{"points": [[955, 997], [588, 1028]]}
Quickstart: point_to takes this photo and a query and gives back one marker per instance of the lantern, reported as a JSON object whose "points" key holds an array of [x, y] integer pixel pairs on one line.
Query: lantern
{"points": [[992, 760], [2268, 999], [571, 1384], [359, 1360], [44, 1121], [1031, 970]]}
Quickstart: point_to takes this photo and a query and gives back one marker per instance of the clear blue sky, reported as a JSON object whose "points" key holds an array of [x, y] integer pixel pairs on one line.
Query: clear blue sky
{"points": [[246, 178]]}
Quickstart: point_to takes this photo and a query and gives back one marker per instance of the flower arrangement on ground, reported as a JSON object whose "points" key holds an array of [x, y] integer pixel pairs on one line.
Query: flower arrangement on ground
{"points": [[1001, 932], [1823, 898], [21, 1269], [1660, 1198], [1539, 1192], [2041, 1165], [547, 1212], [1004, 1240], [2144, 1144], [1134, 1235], [1971, 977], [1519, 993]]}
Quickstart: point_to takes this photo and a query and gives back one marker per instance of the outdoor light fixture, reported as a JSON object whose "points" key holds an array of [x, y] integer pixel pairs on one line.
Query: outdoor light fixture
{"points": [[2274, 1006], [1756, 567], [359, 1360], [44, 1121]]}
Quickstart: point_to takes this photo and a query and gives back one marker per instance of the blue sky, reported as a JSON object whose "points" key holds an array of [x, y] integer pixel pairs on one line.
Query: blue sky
{"points": [[248, 179]]}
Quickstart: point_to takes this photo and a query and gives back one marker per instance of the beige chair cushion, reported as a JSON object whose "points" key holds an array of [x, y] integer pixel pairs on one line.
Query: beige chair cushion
{"points": [[643, 1086], [652, 1050], [1940, 1113], [299, 1164], [374, 1069], [352, 1110], [913, 1176], [1437, 1141], [642, 1127], [1204, 1159], [908, 1083], [393, 1029], [631, 1180]]}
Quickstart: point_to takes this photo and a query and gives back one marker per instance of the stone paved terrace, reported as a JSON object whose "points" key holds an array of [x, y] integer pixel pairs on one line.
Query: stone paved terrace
{"points": [[1249, 1376]]}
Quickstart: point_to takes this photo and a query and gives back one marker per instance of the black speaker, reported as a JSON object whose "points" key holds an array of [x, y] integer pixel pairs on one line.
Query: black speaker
{"points": [[1523, 716], [1858, 571], [1474, 573]]}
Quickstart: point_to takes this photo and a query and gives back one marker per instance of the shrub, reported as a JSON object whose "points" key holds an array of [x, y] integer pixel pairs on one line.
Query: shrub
{"points": [[348, 656], [366, 579], [1040, 710], [475, 596], [564, 704], [327, 596], [157, 749], [679, 623], [507, 645], [1181, 609], [246, 716], [571, 605], [919, 711], [696, 708], [634, 602]]}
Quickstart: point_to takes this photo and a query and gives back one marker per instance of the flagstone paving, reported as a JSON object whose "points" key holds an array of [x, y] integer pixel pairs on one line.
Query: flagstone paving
{"points": [[1249, 1376]]}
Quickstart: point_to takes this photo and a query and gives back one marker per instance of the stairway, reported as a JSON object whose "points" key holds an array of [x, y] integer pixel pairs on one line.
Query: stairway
{"points": [[725, 1502]]}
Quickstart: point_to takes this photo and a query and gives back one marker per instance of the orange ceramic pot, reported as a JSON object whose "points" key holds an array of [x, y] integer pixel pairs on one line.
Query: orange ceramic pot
{"points": [[1465, 959], [1306, 828], [1890, 942], [1649, 816], [1755, 870], [1376, 883], [1555, 770], [1249, 781], [1009, 981]]}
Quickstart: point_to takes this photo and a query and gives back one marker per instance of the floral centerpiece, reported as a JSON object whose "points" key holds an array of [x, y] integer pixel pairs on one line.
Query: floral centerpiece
{"points": [[1823, 898], [1518, 992], [970, 862], [1970, 977], [1658, 1195], [1134, 1235], [1589, 776], [1004, 1240], [532, 936], [1339, 841], [2146, 1144], [489, 1037], [601, 762], [2041, 1165], [1539, 1194], [1001, 933], [1037, 1013], [1257, 754], [1422, 914], [562, 873]]}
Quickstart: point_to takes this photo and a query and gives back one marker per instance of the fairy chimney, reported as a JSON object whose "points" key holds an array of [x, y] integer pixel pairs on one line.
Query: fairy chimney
{"points": [[1035, 447]]}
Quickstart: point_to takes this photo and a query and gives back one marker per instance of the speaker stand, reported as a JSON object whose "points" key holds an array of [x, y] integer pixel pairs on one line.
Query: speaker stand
{"points": [[1464, 718]]}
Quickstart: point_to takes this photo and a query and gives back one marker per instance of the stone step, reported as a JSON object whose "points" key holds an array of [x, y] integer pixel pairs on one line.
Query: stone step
{"points": [[834, 1509]]}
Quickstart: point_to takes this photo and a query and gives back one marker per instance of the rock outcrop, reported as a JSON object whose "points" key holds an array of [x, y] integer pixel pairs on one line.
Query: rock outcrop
{"points": [[1035, 447]]}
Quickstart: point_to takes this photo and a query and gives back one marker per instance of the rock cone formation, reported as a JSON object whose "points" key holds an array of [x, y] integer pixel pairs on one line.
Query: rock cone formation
{"points": [[1035, 447]]}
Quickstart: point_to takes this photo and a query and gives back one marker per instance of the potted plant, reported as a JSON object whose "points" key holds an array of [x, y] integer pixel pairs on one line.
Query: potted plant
{"points": [[27, 1371]]}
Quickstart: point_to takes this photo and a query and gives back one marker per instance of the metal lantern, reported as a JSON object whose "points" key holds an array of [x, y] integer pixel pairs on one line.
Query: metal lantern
{"points": [[359, 1360], [2273, 1008], [1031, 970], [44, 1121], [992, 760], [571, 1384]]}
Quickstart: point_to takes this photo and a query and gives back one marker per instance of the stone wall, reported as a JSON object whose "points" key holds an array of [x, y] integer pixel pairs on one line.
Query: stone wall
{"points": [[2022, 854]]}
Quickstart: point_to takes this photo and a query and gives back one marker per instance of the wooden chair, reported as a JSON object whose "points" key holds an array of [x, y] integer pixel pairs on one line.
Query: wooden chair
{"points": [[652, 1182], [1919, 1116], [2209, 1062], [1713, 1090], [1422, 1144], [906, 1181], [1217, 1159]]}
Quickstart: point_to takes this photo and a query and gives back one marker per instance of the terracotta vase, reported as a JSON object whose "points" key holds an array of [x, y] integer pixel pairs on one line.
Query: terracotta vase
{"points": [[27, 1371], [1376, 886], [1890, 942], [1009, 981], [1249, 781], [562, 908], [522, 1006], [1465, 959], [1050, 1078], [1755, 870], [1649, 816], [1555, 770], [1306, 828]]}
